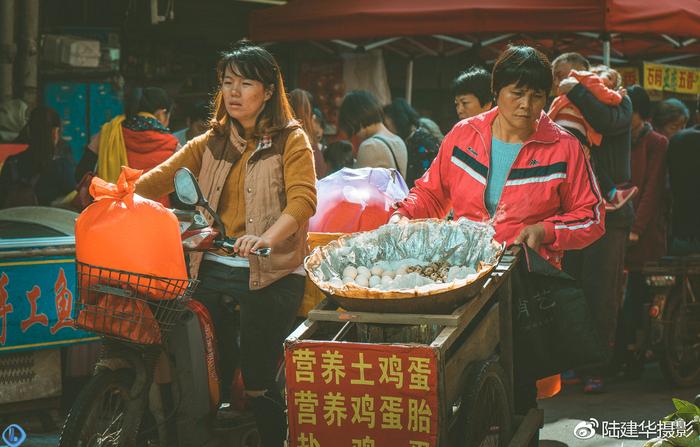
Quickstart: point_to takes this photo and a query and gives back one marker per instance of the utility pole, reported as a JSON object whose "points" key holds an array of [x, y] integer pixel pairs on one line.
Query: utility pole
{"points": [[28, 59], [8, 49]]}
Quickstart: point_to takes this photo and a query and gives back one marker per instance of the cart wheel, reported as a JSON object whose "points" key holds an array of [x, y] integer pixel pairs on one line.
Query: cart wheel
{"points": [[485, 418]]}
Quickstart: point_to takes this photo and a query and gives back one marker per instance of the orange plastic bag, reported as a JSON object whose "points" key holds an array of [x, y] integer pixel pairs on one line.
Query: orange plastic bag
{"points": [[124, 231], [120, 317], [548, 387]]}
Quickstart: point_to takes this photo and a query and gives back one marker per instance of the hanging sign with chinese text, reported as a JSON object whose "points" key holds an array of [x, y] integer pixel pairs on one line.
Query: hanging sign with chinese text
{"points": [[361, 395], [671, 78], [37, 296]]}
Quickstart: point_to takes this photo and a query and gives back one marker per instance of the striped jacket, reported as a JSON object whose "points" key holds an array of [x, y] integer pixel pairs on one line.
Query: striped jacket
{"points": [[550, 182]]}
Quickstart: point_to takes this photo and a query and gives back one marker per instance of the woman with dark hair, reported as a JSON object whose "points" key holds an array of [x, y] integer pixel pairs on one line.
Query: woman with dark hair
{"points": [[402, 119], [361, 115], [255, 167], [197, 122], [472, 92], [40, 174], [670, 117], [300, 101], [139, 139], [514, 167], [338, 155]]}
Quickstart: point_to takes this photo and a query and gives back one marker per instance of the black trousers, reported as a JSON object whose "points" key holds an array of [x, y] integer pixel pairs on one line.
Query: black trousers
{"points": [[599, 270], [266, 318]]}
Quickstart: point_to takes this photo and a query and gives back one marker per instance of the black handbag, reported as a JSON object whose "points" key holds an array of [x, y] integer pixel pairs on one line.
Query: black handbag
{"points": [[553, 328]]}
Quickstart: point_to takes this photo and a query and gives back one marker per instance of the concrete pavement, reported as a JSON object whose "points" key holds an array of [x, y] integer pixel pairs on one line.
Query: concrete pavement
{"points": [[646, 399]]}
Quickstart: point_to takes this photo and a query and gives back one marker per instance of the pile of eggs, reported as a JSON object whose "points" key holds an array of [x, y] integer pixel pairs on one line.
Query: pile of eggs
{"points": [[406, 274]]}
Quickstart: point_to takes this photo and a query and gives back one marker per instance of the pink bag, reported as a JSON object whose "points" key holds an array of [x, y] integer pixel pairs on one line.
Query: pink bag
{"points": [[353, 200]]}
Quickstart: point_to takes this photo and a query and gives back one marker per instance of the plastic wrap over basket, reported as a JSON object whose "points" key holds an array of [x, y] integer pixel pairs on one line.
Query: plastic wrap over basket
{"points": [[460, 243]]}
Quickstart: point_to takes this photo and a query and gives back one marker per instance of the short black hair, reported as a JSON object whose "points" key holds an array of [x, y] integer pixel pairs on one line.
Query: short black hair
{"points": [[474, 81], [147, 99], [523, 66], [199, 111], [572, 58], [641, 103], [338, 155], [668, 111], [359, 109], [403, 115]]}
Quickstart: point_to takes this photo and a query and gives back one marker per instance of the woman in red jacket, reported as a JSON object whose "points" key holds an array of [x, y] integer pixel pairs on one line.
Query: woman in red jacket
{"points": [[514, 167]]}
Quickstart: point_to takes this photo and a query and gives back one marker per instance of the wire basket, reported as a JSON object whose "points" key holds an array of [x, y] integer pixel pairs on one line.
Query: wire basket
{"points": [[128, 306]]}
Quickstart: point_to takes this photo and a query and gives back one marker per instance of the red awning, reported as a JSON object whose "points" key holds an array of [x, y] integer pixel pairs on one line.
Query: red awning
{"points": [[671, 17], [363, 19]]}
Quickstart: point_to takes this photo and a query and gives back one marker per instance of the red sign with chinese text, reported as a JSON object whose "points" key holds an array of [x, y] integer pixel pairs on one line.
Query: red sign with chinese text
{"points": [[361, 395]]}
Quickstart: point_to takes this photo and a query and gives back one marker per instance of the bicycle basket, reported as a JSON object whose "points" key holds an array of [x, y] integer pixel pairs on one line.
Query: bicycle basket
{"points": [[128, 306]]}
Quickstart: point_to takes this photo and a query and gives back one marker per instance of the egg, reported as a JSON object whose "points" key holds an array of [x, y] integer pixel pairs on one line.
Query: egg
{"points": [[377, 271], [401, 270], [350, 272], [389, 273], [348, 280], [362, 281], [386, 280], [374, 281], [336, 283], [461, 273], [402, 282], [364, 271], [452, 273]]}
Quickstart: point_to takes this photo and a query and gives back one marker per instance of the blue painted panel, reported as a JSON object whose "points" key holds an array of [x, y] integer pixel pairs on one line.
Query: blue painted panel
{"points": [[37, 297], [70, 101], [105, 104]]}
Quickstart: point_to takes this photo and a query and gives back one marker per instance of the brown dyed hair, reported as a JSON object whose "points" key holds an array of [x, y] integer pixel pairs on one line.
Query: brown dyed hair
{"points": [[253, 62], [300, 100], [359, 109]]}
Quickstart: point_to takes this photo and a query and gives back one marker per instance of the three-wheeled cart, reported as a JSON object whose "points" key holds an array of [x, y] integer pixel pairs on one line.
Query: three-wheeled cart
{"points": [[374, 379]]}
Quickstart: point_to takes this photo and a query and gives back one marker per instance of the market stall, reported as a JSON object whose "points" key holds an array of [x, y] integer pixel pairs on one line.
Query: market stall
{"points": [[422, 358], [443, 369]]}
